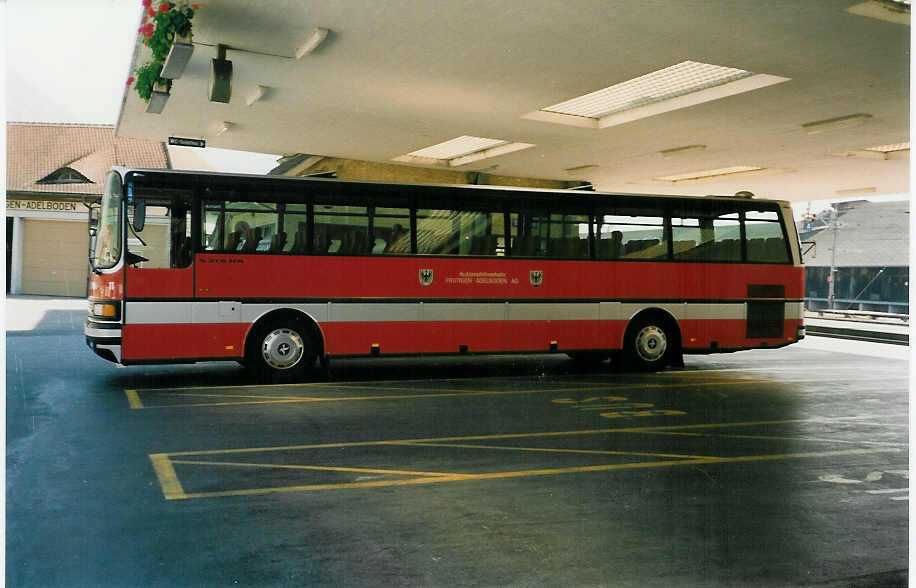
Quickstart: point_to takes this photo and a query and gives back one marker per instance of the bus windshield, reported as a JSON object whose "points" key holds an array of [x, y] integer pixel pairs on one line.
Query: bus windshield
{"points": [[108, 241]]}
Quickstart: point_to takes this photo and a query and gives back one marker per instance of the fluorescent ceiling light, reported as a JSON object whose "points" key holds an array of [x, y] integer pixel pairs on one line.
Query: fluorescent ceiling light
{"points": [[710, 173], [833, 124], [685, 84], [856, 191], [889, 151], [891, 148], [581, 168], [461, 151], [666, 153], [315, 38], [895, 11]]}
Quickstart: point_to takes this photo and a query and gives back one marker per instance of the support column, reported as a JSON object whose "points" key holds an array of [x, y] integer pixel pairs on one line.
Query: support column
{"points": [[16, 255]]}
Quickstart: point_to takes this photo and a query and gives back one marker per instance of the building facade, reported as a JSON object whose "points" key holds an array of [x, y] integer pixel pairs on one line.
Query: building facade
{"points": [[867, 245], [55, 174]]}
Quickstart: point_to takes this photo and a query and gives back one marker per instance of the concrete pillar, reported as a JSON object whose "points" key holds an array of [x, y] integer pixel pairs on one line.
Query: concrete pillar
{"points": [[16, 255]]}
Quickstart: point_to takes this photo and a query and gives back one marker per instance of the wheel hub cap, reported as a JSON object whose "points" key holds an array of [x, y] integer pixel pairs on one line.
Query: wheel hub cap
{"points": [[282, 349], [651, 343]]}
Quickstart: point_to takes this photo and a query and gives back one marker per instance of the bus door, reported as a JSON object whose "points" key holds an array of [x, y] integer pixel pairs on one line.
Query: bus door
{"points": [[158, 275]]}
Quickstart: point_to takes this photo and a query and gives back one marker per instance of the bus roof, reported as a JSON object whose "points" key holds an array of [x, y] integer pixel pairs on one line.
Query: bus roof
{"points": [[217, 178]]}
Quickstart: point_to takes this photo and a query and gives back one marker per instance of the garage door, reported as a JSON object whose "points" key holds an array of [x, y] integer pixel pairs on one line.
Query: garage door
{"points": [[54, 257]]}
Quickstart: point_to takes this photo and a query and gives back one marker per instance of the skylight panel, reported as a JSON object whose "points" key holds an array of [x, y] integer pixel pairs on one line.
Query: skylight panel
{"points": [[457, 147], [461, 151], [710, 173], [664, 84], [888, 152], [681, 85], [891, 148]]}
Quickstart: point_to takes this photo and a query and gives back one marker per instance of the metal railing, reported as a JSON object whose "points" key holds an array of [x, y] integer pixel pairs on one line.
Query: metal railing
{"points": [[859, 315]]}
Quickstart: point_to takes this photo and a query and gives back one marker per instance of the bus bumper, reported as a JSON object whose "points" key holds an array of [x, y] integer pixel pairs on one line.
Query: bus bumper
{"points": [[104, 339]]}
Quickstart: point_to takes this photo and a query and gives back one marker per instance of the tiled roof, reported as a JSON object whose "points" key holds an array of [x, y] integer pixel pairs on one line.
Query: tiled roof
{"points": [[35, 150], [872, 234]]}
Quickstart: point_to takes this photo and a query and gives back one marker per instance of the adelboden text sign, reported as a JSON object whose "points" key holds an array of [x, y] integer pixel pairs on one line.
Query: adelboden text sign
{"points": [[44, 206]]}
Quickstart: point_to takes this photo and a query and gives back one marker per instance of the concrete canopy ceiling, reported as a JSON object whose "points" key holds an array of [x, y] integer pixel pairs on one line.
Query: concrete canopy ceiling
{"points": [[397, 76]]}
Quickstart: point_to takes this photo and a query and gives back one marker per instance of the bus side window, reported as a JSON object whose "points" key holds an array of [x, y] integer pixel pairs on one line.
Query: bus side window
{"points": [[568, 236], [530, 232], [165, 240], [244, 227], [765, 240], [341, 230], [294, 230], [703, 237], [630, 234], [391, 227], [458, 232]]}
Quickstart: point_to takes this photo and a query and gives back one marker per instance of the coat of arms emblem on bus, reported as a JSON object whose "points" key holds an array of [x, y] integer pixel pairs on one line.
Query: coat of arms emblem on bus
{"points": [[426, 277], [536, 277]]}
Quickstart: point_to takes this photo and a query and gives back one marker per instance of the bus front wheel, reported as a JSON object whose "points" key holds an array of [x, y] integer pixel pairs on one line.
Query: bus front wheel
{"points": [[650, 343], [281, 351]]}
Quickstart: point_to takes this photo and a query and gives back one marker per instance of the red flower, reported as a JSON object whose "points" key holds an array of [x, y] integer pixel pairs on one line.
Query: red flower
{"points": [[195, 6], [147, 3], [130, 80], [151, 12], [146, 30], [165, 7]]}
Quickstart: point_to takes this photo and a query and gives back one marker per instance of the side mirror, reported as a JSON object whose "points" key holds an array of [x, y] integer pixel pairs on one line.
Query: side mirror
{"points": [[139, 215]]}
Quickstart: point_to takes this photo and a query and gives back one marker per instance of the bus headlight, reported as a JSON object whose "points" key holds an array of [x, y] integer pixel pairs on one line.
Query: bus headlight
{"points": [[105, 309]]}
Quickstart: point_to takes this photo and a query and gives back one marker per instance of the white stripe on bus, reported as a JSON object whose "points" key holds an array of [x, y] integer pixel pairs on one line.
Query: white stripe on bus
{"points": [[223, 312]]}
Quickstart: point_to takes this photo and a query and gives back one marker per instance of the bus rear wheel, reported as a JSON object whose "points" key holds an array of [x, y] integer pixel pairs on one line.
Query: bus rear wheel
{"points": [[281, 350], [650, 343]]}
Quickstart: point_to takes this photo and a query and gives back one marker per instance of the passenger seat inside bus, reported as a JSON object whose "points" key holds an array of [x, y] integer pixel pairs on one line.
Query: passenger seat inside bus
{"points": [[354, 242], [251, 242], [525, 246], [483, 245], [573, 247], [277, 242], [610, 248], [232, 241]]}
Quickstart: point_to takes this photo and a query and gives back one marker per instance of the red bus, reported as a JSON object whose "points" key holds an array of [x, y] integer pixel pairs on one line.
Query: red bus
{"points": [[278, 273]]}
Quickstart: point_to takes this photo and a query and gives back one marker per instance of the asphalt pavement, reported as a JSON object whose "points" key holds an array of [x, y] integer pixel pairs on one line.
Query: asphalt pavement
{"points": [[784, 467]]}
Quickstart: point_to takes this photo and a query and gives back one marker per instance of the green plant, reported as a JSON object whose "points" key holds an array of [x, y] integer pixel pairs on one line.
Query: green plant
{"points": [[160, 27], [170, 20], [147, 76]]}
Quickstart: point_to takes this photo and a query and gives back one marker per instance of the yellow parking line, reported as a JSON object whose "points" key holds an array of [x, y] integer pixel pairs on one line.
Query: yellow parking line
{"points": [[133, 399], [168, 479], [302, 399], [245, 464], [550, 450], [317, 487], [572, 433], [525, 473]]}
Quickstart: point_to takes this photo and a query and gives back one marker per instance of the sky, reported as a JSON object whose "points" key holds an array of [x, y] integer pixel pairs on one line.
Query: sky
{"points": [[67, 61]]}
